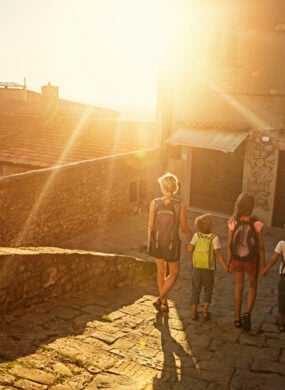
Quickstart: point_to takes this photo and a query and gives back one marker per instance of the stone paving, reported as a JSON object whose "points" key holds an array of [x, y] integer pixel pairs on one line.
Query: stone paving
{"points": [[115, 340]]}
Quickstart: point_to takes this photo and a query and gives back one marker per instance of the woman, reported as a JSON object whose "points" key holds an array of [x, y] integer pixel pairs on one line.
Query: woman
{"points": [[166, 215]]}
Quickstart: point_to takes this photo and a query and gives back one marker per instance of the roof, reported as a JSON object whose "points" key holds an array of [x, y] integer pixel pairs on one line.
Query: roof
{"points": [[76, 132], [226, 141], [34, 142]]}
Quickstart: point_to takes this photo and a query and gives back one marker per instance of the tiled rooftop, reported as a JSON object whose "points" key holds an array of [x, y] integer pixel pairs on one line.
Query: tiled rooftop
{"points": [[75, 132]]}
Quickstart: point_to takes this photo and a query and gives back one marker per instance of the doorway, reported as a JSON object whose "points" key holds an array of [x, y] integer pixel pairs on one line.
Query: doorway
{"points": [[279, 204], [216, 179]]}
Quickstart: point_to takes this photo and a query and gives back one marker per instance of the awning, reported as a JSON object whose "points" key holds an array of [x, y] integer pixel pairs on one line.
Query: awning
{"points": [[225, 141]]}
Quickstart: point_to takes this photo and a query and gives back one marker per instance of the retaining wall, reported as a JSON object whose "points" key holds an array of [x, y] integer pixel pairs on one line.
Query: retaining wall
{"points": [[33, 275]]}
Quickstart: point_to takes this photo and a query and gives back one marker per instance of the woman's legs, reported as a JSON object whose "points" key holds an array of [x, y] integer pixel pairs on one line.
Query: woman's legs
{"points": [[161, 266], [239, 277], [165, 283]]}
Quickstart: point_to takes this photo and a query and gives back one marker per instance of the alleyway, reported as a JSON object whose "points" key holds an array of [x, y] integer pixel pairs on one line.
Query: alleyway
{"points": [[115, 340]]}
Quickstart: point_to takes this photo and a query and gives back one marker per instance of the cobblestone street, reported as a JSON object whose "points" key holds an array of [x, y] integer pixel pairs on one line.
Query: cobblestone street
{"points": [[115, 340]]}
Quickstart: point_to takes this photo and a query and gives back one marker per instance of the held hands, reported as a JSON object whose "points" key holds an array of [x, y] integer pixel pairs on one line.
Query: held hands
{"points": [[229, 268], [263, 271]]}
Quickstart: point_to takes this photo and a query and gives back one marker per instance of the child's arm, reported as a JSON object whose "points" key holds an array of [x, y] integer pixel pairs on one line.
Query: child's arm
{"points": [[261, 249], [221, 259], [229, 251], [272, 261]]}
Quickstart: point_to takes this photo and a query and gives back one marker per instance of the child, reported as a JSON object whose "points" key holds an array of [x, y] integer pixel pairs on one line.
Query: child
{"points": [[279, 250], [245, 252], [205, 246]]}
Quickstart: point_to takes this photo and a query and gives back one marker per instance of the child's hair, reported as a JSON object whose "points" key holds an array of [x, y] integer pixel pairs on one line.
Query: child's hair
{"points": [[168, 184], [204, 223], [244, 206]]}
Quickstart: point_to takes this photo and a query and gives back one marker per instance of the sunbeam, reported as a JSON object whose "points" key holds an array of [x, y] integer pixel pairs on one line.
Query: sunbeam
{"points": [[46, 188], [252, 117]]}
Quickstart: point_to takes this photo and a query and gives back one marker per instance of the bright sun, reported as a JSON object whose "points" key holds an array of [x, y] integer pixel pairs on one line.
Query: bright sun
{"points": [[96, 51]]}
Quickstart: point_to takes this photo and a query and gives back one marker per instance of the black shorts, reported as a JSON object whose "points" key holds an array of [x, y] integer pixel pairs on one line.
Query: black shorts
{"points": [[170, 255]]}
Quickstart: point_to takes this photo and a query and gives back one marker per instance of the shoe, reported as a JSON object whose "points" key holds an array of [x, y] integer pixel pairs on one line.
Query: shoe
{"points": [[164, 308], [237, 323], [195, 317], [157, 305], [246, 322], [282, 328], [206, 317]]}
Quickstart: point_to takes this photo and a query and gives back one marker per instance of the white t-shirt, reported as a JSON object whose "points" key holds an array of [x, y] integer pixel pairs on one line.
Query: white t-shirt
{"points": [[216, 240], [280, 248]]}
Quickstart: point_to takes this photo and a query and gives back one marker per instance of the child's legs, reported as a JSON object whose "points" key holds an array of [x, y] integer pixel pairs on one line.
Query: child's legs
{"points": [[239, 285], [281, 299], [252, 279], [196, 287], [208, 283]]}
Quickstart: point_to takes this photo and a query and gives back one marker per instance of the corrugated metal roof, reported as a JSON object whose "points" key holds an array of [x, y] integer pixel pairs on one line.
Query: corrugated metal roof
{"points": [[225, 141]]}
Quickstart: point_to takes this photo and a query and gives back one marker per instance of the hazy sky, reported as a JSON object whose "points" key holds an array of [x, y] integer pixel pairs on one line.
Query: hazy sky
{"points": [[95, 51]]}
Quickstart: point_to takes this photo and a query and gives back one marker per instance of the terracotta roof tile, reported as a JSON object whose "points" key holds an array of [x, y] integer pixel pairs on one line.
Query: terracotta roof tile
{"points": [[76, 132]]}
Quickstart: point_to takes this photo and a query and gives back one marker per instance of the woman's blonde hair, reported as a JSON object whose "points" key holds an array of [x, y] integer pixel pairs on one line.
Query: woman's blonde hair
{"points": [[168, 184], [204, 223]]}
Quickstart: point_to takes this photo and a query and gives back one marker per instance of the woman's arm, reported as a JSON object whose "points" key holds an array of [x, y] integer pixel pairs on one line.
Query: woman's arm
{"points": [[183, 222], [190, 247], [261, 249], [229, 250], [150, 221]]}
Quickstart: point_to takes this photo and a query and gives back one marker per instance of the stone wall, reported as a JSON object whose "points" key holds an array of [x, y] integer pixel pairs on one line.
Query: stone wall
{"points": [[33, 275], [47, 206], [260, 170]]}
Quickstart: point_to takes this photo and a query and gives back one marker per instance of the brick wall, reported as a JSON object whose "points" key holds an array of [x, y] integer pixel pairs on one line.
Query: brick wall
{"points": [[47, 206], [30, 276]]}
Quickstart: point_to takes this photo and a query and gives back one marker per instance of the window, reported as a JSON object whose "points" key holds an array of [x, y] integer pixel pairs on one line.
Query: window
{"points": [[133, 191], [142, 189]]}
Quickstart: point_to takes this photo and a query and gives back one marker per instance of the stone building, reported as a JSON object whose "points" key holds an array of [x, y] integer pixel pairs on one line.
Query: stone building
{"points": [[221, 105], [67, 167]]}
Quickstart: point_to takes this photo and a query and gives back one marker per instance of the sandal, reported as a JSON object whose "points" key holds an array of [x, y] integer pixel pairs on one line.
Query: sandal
{"points": [[237, 323], [246, 322], [206, 317], [157, 305], [195, 317], [282, 328], [164, 308]]}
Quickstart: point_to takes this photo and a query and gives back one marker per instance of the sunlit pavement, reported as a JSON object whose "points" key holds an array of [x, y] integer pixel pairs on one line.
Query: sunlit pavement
{"points": [[116, 340]]}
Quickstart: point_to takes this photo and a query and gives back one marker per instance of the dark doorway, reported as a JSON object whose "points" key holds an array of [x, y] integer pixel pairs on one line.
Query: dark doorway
{"points": [[216, 179], [279, 205]]}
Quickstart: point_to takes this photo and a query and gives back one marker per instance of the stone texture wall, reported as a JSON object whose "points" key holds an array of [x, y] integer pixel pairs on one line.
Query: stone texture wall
{"points": [[260, 170], [32, 275], [45, 207]]}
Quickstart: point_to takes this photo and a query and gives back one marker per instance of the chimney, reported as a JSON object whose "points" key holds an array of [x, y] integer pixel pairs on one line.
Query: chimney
{"points": [[49, 99]]}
